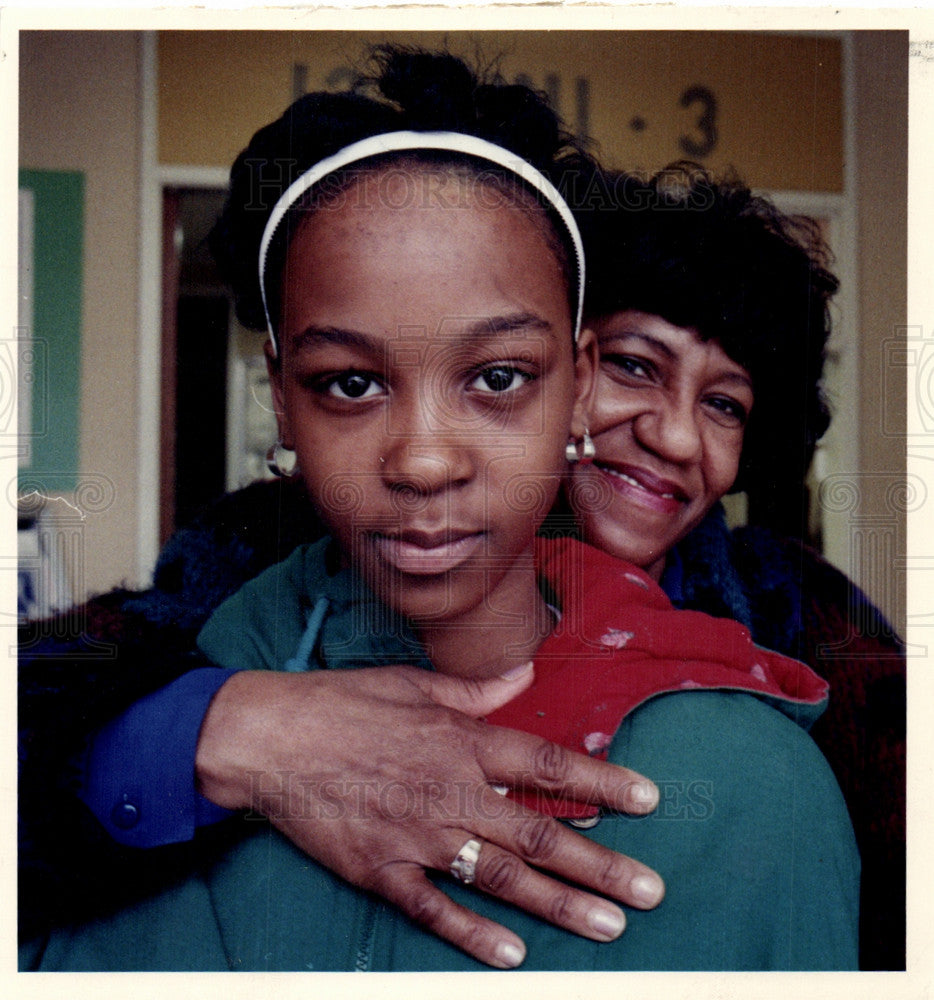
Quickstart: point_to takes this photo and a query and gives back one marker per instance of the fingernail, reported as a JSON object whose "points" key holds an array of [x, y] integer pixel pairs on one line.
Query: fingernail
{"points": [[648, 889], [510, 955], [643, 794], [517, 672], [608, 923]]}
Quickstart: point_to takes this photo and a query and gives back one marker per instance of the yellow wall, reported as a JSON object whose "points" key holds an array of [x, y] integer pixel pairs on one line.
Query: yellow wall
{"points": [[778, 113]]}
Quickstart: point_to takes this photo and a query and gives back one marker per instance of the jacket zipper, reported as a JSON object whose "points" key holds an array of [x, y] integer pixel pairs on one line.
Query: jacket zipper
{"points": [[368, 933]]}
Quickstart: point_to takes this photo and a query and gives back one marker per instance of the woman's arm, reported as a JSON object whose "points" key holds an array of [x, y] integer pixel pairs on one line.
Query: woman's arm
{"points": [[370, 773], [68, 866], [311, 752], [127, 648]]}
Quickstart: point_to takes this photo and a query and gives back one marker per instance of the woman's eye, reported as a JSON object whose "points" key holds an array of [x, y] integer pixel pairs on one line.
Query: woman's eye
{"points": [[501, 378], [629, 365], [352, 385], [729, 410]]}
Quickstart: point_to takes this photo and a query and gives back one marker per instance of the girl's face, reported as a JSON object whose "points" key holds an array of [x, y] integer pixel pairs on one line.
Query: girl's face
{"points": [[428, 385], [668, 428]]}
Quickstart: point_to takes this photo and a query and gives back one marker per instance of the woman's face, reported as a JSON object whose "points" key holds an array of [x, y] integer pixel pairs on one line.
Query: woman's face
{"points": [[427, 383], [668, 426]]}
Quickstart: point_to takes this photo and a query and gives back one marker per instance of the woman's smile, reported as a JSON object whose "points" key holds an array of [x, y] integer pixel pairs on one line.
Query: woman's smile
{"points": [[643, 487]]}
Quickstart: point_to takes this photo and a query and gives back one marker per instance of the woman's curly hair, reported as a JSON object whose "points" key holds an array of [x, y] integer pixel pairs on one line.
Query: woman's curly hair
{"points": [[708, 255], [404, 89]]}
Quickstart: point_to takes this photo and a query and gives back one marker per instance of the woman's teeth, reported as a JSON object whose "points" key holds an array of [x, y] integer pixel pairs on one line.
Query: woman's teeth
{"points": [[636, 483]]}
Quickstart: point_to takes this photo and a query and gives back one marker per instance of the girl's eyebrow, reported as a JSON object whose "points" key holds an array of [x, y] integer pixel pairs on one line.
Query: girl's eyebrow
{"points": [[494, 326], [313, 336]]}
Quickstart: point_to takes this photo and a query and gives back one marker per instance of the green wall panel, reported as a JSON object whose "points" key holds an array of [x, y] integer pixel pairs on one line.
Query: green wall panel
{"points": [[51, 359]]}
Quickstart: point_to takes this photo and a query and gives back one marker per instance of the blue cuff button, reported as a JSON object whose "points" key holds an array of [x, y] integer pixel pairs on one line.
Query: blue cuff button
{"points": [[124, 815]]}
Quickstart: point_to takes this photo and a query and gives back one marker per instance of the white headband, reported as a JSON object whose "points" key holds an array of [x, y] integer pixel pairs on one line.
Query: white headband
{"points": [[391, 142]]}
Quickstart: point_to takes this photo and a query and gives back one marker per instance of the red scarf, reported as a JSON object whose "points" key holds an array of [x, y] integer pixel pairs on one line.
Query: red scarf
{"points": [[619, 643]]}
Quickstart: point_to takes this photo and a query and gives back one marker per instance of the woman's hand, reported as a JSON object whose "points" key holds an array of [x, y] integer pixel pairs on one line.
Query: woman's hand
{"points": [[383, 773]]}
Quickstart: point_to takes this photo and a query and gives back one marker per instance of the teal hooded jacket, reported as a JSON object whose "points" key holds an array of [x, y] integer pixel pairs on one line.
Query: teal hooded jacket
{"points": [[751, 836]]}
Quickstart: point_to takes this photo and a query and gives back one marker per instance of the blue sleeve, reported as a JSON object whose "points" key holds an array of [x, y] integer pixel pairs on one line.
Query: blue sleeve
{"points": [[139, 770]]}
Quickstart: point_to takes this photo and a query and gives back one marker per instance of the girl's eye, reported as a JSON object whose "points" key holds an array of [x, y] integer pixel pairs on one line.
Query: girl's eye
{"points": [[352, 385], [501, 378], [728, 410]]}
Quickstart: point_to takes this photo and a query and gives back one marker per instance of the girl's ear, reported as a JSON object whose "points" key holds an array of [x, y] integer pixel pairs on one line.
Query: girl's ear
{"points": [[274, 367], [585, 381]]}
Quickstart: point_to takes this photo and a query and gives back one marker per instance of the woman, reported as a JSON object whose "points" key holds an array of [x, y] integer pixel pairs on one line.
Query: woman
{"points": [[423, 289], [162, 607], [727, 297], [722, 284]]}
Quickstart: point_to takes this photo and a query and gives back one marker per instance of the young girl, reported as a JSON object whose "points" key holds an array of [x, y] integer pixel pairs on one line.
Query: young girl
{"points": [[423, 291]]}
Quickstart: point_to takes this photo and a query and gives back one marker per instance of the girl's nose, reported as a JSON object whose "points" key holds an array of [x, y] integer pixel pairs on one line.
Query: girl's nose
{"points": [[422, 456]]}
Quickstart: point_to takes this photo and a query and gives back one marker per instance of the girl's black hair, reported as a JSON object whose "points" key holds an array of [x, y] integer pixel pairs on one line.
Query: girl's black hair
{"points": [[405, 89], [707, 254]]}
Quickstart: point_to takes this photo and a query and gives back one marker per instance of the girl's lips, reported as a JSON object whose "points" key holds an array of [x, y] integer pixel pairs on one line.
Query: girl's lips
{"points": [[427, 555], [644, 488]]}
